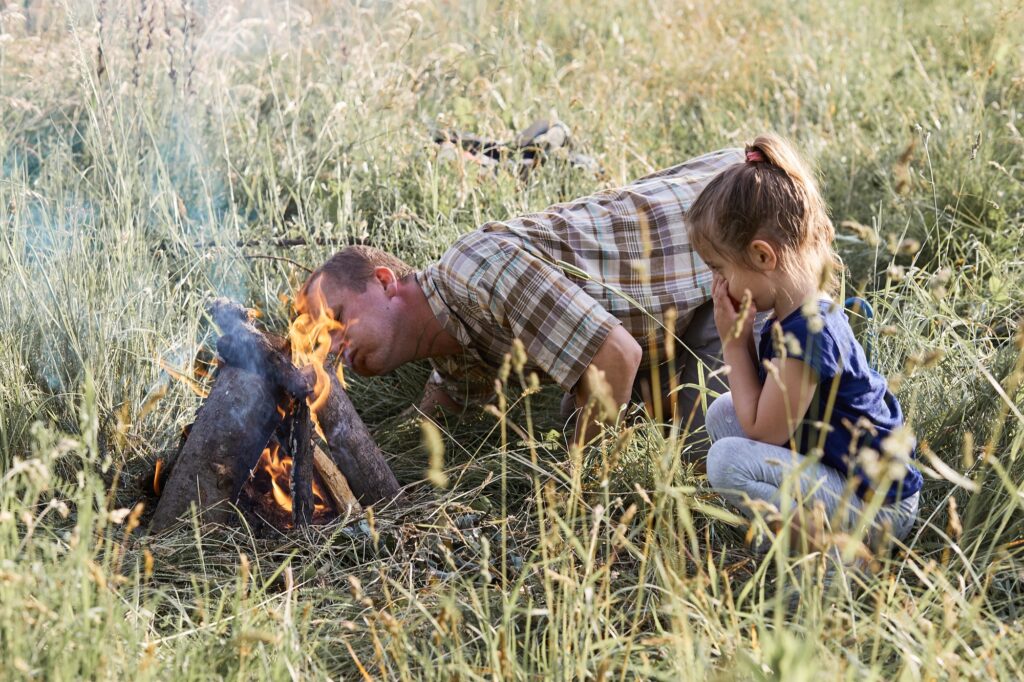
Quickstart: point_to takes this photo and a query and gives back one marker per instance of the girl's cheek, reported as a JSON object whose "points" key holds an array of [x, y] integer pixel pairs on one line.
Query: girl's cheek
{"points": [[735, 301]]}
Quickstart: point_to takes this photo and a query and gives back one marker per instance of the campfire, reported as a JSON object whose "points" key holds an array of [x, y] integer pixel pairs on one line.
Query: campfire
{"points": [[276, 435], [272, 477], [268, 491]]}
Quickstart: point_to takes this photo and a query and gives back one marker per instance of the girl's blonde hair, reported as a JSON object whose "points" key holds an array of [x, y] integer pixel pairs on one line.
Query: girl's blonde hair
{"points": [[772, 196]]}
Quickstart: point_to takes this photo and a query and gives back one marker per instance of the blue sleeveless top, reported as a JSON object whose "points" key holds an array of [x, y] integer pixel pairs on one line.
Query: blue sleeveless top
{"points": [[861, 393]]}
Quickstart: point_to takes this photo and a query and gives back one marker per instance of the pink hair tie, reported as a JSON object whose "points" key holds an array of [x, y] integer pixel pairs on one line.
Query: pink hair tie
{"points": [[755, 156]]}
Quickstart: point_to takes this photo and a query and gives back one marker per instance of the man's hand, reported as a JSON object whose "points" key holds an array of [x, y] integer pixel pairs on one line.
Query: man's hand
{"points": [[733, 324], [616, 364], [436, 398]]}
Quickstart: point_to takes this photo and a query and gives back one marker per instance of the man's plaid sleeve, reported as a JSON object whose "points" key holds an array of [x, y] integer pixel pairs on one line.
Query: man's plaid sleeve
{"points": [[561, 326]]}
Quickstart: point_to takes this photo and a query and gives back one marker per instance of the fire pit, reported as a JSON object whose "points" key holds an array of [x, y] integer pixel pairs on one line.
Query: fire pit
{"points": [[252, 443]]}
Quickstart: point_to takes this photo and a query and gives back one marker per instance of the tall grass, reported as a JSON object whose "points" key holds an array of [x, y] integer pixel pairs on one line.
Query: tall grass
{"points": [[154, 152]]}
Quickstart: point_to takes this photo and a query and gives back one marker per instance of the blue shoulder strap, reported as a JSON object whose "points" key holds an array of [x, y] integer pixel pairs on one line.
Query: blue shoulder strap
{"points": [[858, 307]]}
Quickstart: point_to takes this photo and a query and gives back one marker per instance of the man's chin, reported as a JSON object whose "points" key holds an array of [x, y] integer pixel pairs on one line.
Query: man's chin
{"points": [[371, 370]]}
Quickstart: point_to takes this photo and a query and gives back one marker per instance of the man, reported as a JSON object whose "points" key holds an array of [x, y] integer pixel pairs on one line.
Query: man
{"points": [[584, 285]]}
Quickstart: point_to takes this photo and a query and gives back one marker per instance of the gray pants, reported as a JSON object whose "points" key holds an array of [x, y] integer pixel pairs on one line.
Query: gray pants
{"points": [[742, 469]]}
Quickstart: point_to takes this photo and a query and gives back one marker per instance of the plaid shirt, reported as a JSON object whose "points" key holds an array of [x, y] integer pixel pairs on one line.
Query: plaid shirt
{"points": [[562, 279]]}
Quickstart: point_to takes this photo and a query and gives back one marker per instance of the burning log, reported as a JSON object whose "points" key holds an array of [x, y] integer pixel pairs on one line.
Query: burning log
{"points": [[233, 425], [257, 392], [299, 434], [353, 450], [229, 434], [349, 443], [244, 346]]}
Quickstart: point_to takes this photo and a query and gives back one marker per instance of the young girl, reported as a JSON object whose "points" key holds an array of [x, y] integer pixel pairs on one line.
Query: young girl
{"points": [[805, 386]]}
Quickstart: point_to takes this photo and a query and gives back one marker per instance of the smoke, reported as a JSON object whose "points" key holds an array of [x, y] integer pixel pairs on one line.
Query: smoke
{"points": [[129, 155]]}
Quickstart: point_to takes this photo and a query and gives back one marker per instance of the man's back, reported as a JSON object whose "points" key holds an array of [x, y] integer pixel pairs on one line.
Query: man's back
{"points": [[561, 278]]}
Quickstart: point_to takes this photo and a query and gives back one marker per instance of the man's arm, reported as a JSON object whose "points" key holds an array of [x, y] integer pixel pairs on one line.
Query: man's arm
{"points": [[616, 363], [454, 385]]}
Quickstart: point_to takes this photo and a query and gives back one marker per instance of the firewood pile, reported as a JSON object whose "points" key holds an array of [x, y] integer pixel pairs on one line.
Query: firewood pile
{"points": [[258, 412]]}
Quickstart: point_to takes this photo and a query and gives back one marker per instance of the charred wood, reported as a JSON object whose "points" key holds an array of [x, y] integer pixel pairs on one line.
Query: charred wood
{"points": [[352, 449], [231, 429], [243, 345], [300, 444]]}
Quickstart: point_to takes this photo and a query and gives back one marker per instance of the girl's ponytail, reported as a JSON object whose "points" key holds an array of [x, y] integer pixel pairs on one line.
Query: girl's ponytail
{"points": [[772, 195]]}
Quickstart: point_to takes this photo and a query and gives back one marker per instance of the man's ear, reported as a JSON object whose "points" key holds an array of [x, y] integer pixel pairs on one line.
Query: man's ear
{"points": [[763, 255], [385, 276]]}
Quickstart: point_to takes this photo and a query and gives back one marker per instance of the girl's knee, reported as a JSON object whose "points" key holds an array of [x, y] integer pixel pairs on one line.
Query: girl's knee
{"points": [[722, 470], [721, 420]]}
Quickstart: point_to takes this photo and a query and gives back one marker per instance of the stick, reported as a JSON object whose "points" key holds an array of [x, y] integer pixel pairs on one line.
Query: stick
{"points": [[261, 256], [335, 483], [281, 243]]}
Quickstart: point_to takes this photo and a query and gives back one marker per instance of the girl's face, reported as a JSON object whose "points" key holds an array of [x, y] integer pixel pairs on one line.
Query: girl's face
{"points": [[739, 277]]}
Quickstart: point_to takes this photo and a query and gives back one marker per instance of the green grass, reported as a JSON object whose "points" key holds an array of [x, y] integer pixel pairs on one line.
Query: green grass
{"points": [[124, 196]]}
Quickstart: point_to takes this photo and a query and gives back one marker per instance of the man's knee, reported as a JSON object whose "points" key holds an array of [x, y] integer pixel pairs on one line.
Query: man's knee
{"points": [[721, 420], [567, 408]]}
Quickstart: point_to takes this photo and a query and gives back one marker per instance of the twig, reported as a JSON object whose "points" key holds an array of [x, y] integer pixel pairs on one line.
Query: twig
{"points": [[280, 258], [282, 243]]}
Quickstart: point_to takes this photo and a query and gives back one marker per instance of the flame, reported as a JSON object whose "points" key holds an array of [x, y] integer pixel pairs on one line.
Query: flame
{"points": [[156, 476], [278, 468], [280, 475], [310, 336]]}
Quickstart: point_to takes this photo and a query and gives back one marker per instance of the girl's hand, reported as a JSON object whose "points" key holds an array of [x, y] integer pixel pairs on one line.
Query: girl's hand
{"points": [[734, 320]]}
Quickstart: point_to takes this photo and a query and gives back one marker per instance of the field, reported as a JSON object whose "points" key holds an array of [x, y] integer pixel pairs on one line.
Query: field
{"points": [[154, 153]]}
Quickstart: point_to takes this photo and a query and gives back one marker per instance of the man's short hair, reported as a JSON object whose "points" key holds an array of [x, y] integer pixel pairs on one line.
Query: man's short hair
{"points": [[353, 266]]}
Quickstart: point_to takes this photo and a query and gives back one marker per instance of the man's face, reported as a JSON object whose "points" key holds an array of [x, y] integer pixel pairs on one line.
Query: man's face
{"points": [[368, 338]]}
